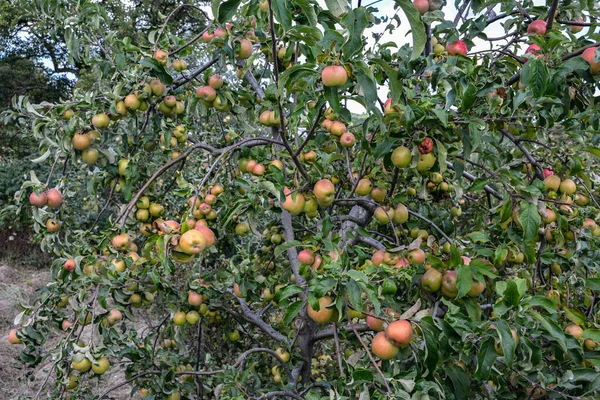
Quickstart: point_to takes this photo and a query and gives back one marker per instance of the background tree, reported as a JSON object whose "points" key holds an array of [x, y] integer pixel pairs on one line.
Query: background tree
{"points": [[223, 222]]}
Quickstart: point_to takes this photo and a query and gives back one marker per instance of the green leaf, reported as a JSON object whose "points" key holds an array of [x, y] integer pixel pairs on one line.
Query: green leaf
{"points": [[285, 246], [511, 294], [463, 280], [150, 62], [592, 150], [530, 220], [592, 333], [469, 97], [291, 75], [593, 283], [354, 294], [395, 84], [485, 360], [538, 76], [308, 10], [551, 328], [460, 381], [416, 25], [287, 292], [355, 22], [337, 7], [366, 80], [224, 10], [282, 12], [507, 341], [331, 94], [574, 315], [291, 311]]}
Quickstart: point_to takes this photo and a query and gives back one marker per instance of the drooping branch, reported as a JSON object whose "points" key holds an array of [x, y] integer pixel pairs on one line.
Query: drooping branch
{"points": [[162, 29]]}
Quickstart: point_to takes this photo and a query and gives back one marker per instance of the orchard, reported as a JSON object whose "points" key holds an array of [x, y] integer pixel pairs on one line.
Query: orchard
{"points": [[319, 200]]}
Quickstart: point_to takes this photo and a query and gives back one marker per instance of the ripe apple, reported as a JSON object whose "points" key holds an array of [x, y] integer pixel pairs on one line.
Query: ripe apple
{"points": [[456, 48], [533, 49], [375, 324], [324, 314], [245, 49], [589, 55], [378, 258], [132, 102], [537, 27], [13, 338], [294, 202], [179, 318], [306, 257], [192, 242], [401, 157], [378, 194], [206, 93], [70, 265], [52, 225], [158, 88], [577, 28], [364, 187], [399, 332], [121, 242], [161, 56], [476, 289], [215, 81], [54, 198], [383, 216], [550, 216], [81, 141], [337, 128], [431, 281], [383, 348], [421, 5], [324, 191], [194, 299], [38, 200], [208, 234], [114, 316], [417, 256], [237, 291], [574, 330], [327, 124], [449, 288], [101, 367], [100, 121], [65, 325], [334, 76]]}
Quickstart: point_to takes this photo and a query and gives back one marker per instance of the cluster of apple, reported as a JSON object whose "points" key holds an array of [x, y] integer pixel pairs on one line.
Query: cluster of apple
{"points": [[51, 198], [397, 334], [433, 281], [209, 95], [412, 257], [424, 6], [82, 141], [255, 168], [179, 136], [243, 44], [269, 118], [339, 131]]}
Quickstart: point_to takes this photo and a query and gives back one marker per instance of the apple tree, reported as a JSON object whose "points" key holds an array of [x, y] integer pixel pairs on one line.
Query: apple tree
{"points": [[298, 200]]}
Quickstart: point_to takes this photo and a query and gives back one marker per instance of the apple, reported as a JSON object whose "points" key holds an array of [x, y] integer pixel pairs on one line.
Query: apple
{"points": [[438, 49], [192, 317], [54, 198], [552, 183], [334, 76], [401, 157], [237, 291], [179, 318], [364, 187], [567, 187], [67, 115], [65, 325], [52, 225], [161, 56], [400, 214], [283, 354], [550, 217], [324, 314], [155, 209], [170, 101], [589, 224], [121, 242], [431, 281], [327, 124], [456, 48], [577, 28], [132, 102], [421, 5], [194, 299], [417, 256], [81, 141], [216, 190], [338, 128], [533, 49], [383, 348], [426, 161], [122, 166], [114, 316], [70, 265], [206, 93], [537, 27], [574, 330], [158, 88], [215, 81], [38, 200], [90, 156], [324, 191], [179, 65], [383, 216], [476, 289], [589, 55], [399, 333], [294, 202], [245, 49], [378, 258], [242, 228], [374, 323], [449, 288], [192, 242], [81, 363], [13, 338], [100, 121], [378, 194], [306, 257], [208, 234], [101, 366]]}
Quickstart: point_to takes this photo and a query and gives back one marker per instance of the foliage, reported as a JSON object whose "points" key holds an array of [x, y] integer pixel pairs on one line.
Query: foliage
{"points": [[516, 316]]}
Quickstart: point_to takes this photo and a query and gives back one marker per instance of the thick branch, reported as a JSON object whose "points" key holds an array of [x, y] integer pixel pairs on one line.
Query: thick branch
{"points": [[253, 318]]}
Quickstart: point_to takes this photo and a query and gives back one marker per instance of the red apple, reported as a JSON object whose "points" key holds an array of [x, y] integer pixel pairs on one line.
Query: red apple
{"points": [[399, 332], [537, 27], [306, 257], [206, 93], [422, 6], [589, 55], [54, 198], [383, 348], [38, 200], [334, 76], [70, 265], [456, 48], [324, 192]]}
